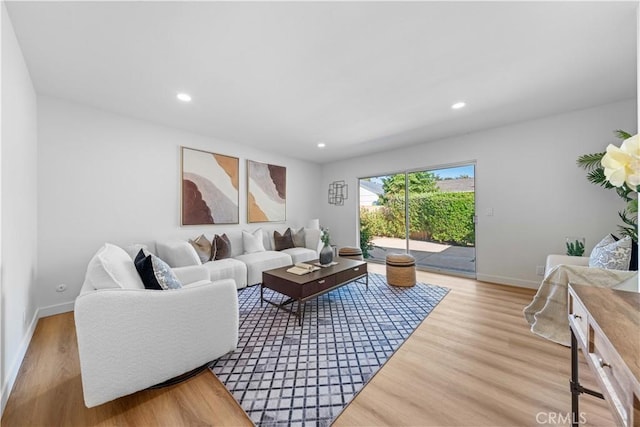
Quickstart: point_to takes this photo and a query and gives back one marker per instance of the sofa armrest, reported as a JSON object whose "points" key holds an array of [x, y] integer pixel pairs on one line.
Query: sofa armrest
{"points": [[130, 339], [556, 259], [313, 240], [191, 274]]}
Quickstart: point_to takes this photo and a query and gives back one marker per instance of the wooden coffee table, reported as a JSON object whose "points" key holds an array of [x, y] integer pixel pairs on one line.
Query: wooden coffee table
{"points": [[311, 285]]}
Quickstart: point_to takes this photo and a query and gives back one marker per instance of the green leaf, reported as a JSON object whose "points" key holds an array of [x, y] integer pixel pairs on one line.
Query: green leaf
{"points": [[597, 176], [632, 222], [622, 134], [590, 161]]}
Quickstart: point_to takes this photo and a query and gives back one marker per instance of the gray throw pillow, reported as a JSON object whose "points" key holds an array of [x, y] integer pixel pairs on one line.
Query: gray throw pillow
{"points": [[611, 254], [298, 238]]}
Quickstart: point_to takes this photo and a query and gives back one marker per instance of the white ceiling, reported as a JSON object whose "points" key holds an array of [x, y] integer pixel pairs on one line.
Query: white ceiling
{"points": [[361, 76]]}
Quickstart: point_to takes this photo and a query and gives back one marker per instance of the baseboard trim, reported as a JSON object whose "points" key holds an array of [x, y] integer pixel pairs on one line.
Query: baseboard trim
{"points": [[52, 310], [508, 281], [12, 375]]}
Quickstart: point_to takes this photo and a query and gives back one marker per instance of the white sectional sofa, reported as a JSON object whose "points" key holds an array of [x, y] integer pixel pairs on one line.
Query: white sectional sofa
{"points": [[244, 268], [130, 338]]}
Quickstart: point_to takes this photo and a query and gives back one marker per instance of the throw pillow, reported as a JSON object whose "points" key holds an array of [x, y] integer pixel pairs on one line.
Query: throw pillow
{"points": [[221, 247], [282, 241], [611, 254], [633, 263], [133, 250], [252, 242], [202, 245], [112, 267], [298, 238], [155, 273]]}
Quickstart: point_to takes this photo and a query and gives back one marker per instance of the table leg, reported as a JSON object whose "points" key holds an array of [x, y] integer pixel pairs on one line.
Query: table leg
{"points": [[261, 294], [575, 382], [301, 307]]}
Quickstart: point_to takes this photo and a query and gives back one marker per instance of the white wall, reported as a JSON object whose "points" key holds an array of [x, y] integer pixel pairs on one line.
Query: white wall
{"points": [[104, 177], [525, 172], [19, 207]]}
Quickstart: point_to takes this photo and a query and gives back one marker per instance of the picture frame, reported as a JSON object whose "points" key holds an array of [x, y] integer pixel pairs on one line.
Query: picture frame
{"points": [[266, 192], [209, 188]]}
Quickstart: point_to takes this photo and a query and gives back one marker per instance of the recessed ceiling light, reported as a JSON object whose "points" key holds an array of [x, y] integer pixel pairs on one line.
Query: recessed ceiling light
{"points": [[184, 97], [458, 105], [321, 145]]}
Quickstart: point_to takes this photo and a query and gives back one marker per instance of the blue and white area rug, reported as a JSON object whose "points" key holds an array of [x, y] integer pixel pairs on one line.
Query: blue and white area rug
{"points": [[285, 374]]}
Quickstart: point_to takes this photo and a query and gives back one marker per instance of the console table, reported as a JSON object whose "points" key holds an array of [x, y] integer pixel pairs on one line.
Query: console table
{"points": [[605, 324]]}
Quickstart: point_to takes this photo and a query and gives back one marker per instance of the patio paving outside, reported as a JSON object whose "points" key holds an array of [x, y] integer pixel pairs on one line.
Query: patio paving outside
{"points": [[459, 260]]}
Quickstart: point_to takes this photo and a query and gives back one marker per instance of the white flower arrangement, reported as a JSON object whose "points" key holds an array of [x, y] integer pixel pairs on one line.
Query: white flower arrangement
{"points": [[619, 168], [622, 164]]}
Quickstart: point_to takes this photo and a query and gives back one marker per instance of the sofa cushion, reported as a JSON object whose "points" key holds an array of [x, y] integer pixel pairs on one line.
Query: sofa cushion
{"points": [[228, 268], [258, 262], [611, 254], [202, 245], [112, 267], [301, 254], [177, 253], [298, 238], [253, 242], [155, 273], [282, 241], [312, 239], [221, 247], [133, 249]]}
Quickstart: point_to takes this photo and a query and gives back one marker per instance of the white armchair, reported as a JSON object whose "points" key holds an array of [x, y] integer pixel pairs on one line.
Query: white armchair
{"points": [[131, 338], [547, 312], [553, 260]]}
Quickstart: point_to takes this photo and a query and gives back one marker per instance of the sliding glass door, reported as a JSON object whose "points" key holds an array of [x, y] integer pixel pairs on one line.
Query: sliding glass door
{"points": [[428, 213]]}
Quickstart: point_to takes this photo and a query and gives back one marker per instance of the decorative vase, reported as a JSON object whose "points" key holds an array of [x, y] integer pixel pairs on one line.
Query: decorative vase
{"points": [[326, 255]]}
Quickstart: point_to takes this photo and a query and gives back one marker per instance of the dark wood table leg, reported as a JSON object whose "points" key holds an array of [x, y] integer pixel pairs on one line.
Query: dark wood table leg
{"points": [[261, 294], [301, 306], [575, 381]]}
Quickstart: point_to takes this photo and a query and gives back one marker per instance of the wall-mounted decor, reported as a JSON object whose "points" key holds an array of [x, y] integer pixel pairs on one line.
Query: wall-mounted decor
{"points": [[266, 192], [210, 185], [338, 192]]}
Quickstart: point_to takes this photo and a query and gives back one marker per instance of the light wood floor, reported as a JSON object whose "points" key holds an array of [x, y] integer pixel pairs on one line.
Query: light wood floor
{"points": [[472, 362]]}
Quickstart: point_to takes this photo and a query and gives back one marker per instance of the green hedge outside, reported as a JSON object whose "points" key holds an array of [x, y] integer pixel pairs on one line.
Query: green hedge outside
{"points": [[437, 217]]}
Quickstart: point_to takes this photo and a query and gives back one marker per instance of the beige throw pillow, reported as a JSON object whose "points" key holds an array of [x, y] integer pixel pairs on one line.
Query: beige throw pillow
{"points": [[202, 245]]}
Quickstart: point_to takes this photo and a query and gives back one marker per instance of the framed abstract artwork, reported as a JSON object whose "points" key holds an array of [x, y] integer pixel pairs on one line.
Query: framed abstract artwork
{"points": [[210, 185], [266, 192]]}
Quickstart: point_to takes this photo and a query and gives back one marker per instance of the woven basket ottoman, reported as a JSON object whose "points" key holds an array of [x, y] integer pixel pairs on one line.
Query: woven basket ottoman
{"points": [[401, 270], [350, 252]]}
